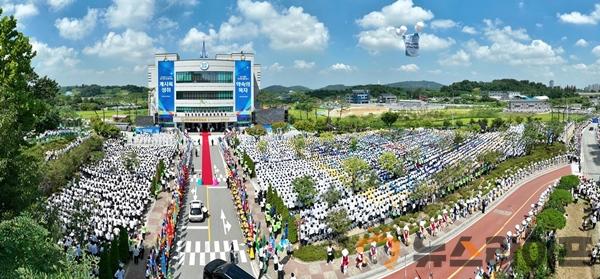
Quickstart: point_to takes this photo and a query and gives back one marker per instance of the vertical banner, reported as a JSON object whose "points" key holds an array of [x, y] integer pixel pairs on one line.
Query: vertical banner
{"points": [[411, 45], [166, 90], [243, 89]]}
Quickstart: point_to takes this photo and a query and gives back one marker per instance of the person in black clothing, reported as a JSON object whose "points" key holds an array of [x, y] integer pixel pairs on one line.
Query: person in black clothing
{"points": [[330, 254]]}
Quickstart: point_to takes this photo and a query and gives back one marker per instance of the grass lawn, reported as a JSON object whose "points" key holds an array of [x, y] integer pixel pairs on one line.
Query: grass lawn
{"points": [[109, 113]]}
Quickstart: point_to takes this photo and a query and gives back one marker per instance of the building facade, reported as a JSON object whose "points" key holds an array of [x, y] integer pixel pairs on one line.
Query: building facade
{"points": [[387, 98], [203, 94], [529, 105], [358, 96]]}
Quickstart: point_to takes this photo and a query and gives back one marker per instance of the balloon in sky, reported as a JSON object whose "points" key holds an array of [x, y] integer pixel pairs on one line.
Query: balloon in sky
{"points": [[400, 31], [419, 26]]}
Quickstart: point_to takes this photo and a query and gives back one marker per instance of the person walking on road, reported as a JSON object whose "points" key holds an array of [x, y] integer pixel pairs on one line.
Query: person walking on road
{"points": [[280, 272]]}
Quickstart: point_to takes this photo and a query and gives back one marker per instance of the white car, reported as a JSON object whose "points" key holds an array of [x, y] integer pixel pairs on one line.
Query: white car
{"points": [[197, 211]]}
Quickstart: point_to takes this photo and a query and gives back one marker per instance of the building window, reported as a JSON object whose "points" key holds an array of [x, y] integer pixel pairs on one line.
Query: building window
{"points": [[204, 109], [204, 95], [204, 77]]}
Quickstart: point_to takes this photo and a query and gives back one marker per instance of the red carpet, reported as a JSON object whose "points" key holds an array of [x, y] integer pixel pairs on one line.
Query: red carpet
{"points": [[207, 176]]}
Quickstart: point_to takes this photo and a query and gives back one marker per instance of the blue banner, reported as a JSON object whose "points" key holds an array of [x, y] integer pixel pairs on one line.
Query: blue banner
{"points": [[411, 45], [243, 89], [147, 130], [166, 90]]}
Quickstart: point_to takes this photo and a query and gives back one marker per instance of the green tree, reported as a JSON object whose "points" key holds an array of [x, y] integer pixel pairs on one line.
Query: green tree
{"points": [[459, 138], [305, 125], [131, 161], [389, 118], [25, 244], [332, 196], [280, 126], [298, 144], [567, 182], [338, 221], [550, 219], [123, 245], [391, 163], [305, 189], [19, 172], [343, 105], [104, 129], [531, 259], [262, 146], [353, 144], [489, 157], [422, 190], [327, 137], [555, 128], [532, 135], [358, 171], [256, 131]]}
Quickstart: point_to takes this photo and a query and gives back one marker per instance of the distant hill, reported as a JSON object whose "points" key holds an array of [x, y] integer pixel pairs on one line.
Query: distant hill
{"points": [[424, 84], [285, 89], [336, 87]]}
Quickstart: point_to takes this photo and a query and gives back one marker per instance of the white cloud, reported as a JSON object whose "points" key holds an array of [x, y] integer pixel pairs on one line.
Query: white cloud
{"points": [[190, 3], [75, 29], [581, 43], [164, 23], [460, 58], [521, 4], [130, 45], [194, 38], [275, 67], [59, 4], [435, 72], [539, 25], [596, 50], [409, 68], [140, 68], [514, 47], [303, 65], [341, 67], [290, 29], [48, 58], [20, 11], [580, 66], [443, 24], [578, 18], [130, 13], [469, 30], [395, 14]]}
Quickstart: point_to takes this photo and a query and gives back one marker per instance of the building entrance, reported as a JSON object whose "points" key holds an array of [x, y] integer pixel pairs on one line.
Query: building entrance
{"points": [[206, 127]]}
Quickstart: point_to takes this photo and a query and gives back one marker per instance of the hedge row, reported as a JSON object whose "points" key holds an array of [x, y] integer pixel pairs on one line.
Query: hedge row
{"points": [[57, 173], [114, 253]]}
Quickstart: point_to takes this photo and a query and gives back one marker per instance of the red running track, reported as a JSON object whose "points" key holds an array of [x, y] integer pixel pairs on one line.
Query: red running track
{"points": [[207, 177], [496, 222]]}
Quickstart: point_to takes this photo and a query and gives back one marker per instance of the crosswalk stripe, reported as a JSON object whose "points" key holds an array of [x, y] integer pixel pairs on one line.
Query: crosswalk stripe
{"points": [[181, 259], [217, 248], [243, 258], [212, 256], [223, 256], [236, 246], [188, 246], [197, 247], [207, 246], [179, 245], [192, 259], [202, 258], [225, 245]]}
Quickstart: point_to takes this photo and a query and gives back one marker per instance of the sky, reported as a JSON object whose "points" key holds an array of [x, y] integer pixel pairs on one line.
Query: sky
{"points": [[314, 42]]}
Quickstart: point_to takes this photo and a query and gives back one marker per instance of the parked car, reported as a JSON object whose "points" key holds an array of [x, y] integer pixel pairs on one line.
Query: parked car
{"points": [[220, 269], [197, 213]]}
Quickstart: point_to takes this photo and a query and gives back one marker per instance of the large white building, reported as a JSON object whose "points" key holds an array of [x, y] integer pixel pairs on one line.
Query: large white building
{"points": [[203, 94]]}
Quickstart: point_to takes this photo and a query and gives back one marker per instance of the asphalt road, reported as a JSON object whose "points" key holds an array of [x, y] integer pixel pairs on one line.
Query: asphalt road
{"points": [[199, 243], [590, 153]]}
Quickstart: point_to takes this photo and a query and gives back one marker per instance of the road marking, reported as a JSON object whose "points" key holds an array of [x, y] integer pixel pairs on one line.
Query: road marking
{"points": [[197, 246], [202, 258], [217, 246], [181, 259], [236, 246], [208, 207], [207, 246], [197, 227], [225, 245], [212, 256], [223, 256], [188, 246], [179, 245], [243, 258], [501, 229], [192, 259]]}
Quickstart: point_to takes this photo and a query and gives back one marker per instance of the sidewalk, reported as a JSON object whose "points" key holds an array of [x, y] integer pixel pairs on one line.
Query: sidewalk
{"points": [[320, 269]]}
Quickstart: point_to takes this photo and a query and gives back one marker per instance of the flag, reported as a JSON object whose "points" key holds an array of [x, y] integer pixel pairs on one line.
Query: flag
{"points": [[411, 44], [285, 232], [163, 263]]}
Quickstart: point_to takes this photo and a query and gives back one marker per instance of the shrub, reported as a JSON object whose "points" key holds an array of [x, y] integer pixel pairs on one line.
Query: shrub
{"points": [[551, 219], [561, 196], [311, 253], [568, 182], [531, 258], [248, 162]]}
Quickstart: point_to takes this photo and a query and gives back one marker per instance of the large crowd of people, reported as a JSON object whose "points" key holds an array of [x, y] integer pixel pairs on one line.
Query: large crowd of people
{"points": [[424, 152], [108, 195]]}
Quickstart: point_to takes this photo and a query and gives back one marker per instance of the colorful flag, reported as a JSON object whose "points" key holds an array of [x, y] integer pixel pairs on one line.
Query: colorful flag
{"points": [[411, 44]]}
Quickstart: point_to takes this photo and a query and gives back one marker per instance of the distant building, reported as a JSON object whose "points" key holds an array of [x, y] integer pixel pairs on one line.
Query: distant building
{"points": [[528, 105], [358, 96], [387, 98], [551, 84], [592, 87], [504, 95]]}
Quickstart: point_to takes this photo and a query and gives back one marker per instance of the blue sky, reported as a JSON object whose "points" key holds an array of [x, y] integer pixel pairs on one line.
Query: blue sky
{"points": [[315, 43]]}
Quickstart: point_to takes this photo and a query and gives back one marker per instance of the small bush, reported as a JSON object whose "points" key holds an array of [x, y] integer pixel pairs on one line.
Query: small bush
{"points": [[568, 182], [551, 219]]}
